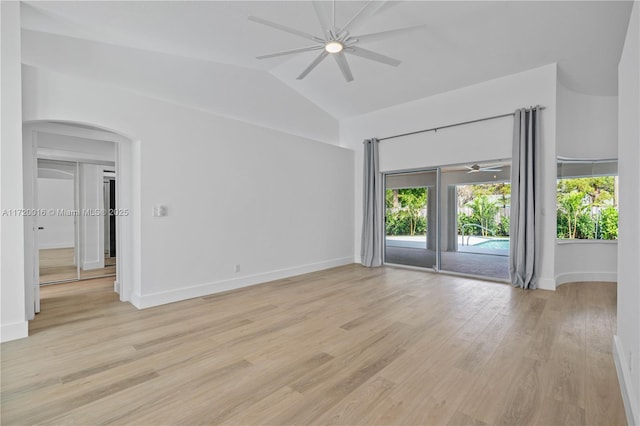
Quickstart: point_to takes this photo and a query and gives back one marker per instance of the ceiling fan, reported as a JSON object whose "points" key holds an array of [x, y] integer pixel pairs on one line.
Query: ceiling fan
{"points": [[337, 40], [475, 168]]}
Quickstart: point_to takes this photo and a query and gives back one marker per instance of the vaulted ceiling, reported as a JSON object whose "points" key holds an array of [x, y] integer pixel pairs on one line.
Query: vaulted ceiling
{"points": [[461, 43]]}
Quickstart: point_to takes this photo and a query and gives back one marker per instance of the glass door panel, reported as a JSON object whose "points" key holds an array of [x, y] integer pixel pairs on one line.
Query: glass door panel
{"points": [[475, 219], [411, 219]]}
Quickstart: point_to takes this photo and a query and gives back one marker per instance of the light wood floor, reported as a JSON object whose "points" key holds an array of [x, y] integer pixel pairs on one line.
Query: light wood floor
{"points": [[59, 265], [347, 346]]}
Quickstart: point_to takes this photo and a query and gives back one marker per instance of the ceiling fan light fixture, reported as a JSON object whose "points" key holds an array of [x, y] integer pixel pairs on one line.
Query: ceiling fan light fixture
{"points": [[334, 47], [335, 41]]}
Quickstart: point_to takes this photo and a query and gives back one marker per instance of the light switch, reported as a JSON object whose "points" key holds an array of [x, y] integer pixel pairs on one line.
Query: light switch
{"points": [[160, 211]]}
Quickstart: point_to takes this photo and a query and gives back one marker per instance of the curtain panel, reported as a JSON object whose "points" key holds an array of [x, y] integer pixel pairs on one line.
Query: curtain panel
{"points": [[525, 228], [372, 207]]}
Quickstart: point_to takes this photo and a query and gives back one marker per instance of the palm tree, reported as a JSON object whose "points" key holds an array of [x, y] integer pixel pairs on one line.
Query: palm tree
{"points": [[484, 211], [572, 206]]}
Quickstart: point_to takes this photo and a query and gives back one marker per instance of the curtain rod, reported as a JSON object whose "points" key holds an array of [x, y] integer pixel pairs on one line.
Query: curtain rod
{"points": [[435, 129]]}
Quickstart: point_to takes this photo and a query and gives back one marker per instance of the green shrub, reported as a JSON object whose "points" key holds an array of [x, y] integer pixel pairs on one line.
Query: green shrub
{"points": [[463, 225], [562, 225], [585, 227], [399, 223], [503, 227], [404, 211], [484, 214], [609, 223]]}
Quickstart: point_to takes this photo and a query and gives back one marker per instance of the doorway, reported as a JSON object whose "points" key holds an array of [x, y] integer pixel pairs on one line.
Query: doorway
{"points": [[98, 156]]}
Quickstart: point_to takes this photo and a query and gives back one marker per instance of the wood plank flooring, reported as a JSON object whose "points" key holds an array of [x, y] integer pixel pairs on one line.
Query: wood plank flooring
{"points": [[59, 265], [350, 346]]}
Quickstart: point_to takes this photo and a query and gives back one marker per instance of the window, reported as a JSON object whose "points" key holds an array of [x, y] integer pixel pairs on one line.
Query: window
{"points": [[587, 199]]}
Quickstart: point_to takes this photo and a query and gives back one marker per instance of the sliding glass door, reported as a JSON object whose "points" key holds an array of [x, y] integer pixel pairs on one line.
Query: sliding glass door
{"points": [[451, 218], [411, 218]]}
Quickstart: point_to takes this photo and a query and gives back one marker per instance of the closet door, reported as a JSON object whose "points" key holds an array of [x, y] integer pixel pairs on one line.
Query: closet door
{"points": [[57, 229]]}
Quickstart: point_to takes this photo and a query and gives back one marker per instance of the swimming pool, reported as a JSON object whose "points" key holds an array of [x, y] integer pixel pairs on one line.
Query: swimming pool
{"points": [[494, 244]]}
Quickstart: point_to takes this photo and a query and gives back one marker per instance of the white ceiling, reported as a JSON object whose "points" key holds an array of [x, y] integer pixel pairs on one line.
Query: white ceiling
{"points": [[463, 43]]}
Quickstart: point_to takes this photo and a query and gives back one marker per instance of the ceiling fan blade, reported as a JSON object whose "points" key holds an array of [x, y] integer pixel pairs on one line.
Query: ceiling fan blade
{"points": [[286, 29], [344, 66], [490, 170], [386, 34], [313, 64], [351, 23], [321, 13], [490, 166], [373, 56], [289, 52]]}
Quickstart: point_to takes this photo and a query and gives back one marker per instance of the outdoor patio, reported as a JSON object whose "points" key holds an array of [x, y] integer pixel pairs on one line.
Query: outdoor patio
{"points": [[471, 258]]}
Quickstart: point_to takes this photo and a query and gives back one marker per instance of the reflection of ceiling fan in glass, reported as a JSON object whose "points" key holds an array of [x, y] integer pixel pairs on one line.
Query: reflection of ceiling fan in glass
{"points": [[337, 40], [475, 168]]}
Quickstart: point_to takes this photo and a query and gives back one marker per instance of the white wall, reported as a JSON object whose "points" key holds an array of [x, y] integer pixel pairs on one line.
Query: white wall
{"points": [[627, 340], [13, 316], [275, 203], [488, 140], [59, 230], [226, 90], [578, 261], [587, 127]]}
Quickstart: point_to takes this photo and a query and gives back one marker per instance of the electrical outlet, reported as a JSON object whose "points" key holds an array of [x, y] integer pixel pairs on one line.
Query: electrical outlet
{"points": [[237, 268]]}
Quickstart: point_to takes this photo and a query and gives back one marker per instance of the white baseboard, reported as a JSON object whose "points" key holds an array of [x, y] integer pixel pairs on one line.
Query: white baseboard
{"points": [[624, 378], [161, 298], [547, 284], [576, 277], [56, 246], [14, 331], [136, 300]]}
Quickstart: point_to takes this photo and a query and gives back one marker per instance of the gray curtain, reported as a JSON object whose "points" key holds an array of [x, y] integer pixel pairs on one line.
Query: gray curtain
{"points": [[525, 229], [372, 204]]}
